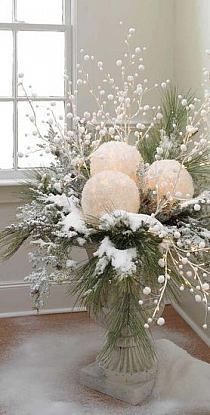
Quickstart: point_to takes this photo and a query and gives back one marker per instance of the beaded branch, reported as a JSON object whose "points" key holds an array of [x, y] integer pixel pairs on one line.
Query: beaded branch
{"points": [[142, 211]]}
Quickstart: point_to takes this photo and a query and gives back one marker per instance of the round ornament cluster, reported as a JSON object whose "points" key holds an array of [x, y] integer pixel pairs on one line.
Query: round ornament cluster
{"points": [[116, 156], [169, 179], [112, 186], [108, 191]]}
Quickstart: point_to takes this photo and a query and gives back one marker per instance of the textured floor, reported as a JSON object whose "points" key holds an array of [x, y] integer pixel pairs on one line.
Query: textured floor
{"points": [[40, 358]]}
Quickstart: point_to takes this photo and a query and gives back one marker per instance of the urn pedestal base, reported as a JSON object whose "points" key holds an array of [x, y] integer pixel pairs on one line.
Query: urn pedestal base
{"points": [[133, 392]]}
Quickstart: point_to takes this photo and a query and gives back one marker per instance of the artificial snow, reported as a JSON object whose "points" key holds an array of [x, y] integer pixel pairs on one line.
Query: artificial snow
{"points": [[73, 224], [122, 260], [134, 221], [203, 197], [62, 201], [42, 377]]}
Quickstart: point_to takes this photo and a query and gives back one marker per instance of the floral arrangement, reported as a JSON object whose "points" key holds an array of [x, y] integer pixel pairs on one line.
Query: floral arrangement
{"points": [[128, 182]]}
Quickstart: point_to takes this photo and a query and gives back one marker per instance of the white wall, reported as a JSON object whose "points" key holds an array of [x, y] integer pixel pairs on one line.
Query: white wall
{"points": [[100, 34], [192, 38]]}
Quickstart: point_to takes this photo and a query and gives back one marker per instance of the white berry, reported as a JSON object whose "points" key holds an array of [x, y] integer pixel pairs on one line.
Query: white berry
{"points": [[161, 321], [147, 290], [161, 279]]}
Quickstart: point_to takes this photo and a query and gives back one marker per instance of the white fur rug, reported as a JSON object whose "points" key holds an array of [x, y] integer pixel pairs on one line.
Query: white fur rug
{"points": [[41, 378]]}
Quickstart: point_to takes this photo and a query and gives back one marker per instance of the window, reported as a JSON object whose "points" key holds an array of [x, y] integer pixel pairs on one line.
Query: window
{"points": [[35, 40]]}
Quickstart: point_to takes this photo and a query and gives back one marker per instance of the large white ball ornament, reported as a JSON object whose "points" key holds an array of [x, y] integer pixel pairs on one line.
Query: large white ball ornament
{"points": [[108, 191], [170, 179], [116, 156]]}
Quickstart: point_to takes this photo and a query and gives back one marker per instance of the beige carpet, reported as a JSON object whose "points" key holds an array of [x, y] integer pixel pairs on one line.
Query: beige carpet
{"points": [[40, 376]]}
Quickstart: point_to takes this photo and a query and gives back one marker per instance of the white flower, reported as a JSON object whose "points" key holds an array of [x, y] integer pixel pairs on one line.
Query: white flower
{"points": [[86, 58]]}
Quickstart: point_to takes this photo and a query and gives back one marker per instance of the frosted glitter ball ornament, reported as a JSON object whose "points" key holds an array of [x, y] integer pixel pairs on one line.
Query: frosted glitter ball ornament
{"points": [[169, 179], [116, 156], [108, 191]]}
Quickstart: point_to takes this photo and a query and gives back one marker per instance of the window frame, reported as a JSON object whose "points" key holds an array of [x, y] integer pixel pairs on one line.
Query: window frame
{"points": [[16, 175]]}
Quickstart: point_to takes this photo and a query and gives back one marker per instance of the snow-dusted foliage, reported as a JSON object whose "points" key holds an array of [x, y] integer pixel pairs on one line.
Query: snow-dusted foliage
{"points": [[137, 258]]}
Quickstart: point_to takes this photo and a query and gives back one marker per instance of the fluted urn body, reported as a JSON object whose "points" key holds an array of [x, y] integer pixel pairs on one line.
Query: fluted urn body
{"points": [[122, 367]]}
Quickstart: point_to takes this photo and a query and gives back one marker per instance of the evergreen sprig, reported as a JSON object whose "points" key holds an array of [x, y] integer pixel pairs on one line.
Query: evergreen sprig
{"points": [[173, 122], [11, 239], [174, 113]]}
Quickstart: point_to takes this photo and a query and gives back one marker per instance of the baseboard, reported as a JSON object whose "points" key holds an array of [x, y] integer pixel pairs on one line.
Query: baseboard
{"points": [[15, 300], [42, 312], [196, 328]]}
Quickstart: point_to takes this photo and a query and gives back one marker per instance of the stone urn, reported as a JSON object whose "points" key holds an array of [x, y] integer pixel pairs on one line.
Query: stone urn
{"points": [[122, 375]]}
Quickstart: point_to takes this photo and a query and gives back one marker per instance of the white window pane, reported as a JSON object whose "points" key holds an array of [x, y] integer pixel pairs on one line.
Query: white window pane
{"points": [[30, 154], [40, 11], [6, 140], [5, 10], [41, 59], [6, 63]]}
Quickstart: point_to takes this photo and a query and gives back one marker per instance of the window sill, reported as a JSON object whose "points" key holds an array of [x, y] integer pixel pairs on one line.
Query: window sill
{"points": [[9, 177], [11, 182], [10, 190]]}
